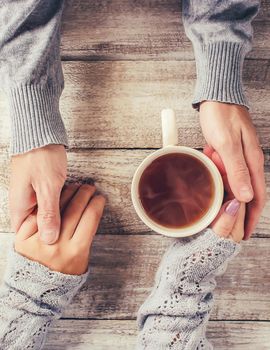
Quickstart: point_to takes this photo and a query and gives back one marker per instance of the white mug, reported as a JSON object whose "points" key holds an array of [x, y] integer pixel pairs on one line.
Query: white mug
{"points": [[170, 140]]}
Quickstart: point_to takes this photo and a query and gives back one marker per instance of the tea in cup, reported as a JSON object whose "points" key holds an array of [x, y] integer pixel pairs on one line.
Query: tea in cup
{"points": [[177, 191]]}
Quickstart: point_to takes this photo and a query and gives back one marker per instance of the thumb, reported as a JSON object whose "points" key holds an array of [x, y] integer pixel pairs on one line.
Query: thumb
{"points": [[48, 215], [224, 223]]}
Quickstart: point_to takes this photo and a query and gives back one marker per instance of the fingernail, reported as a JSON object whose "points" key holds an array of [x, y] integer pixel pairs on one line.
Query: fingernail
{"points": [[48, 237], [233, 207], [246, 193]]}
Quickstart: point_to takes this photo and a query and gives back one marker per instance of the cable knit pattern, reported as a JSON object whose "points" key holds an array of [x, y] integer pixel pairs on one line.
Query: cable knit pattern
{"points": [[175, 315], [31, 297]]}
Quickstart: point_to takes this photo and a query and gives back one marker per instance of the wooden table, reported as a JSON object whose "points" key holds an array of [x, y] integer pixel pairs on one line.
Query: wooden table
{"points": [[124, 61]]}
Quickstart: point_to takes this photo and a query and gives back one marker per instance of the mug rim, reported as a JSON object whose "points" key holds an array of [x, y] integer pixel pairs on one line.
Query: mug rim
{"points": [[201, 223]]}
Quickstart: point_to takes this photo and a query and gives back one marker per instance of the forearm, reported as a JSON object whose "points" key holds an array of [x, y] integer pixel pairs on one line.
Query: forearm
{"points": [[221, 34], [175, 315], [30, 70], [31, 297]]}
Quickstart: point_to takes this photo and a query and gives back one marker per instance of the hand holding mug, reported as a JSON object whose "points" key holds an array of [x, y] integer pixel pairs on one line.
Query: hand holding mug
{"points": [[228, 129], [177, 191], [230, 221]]}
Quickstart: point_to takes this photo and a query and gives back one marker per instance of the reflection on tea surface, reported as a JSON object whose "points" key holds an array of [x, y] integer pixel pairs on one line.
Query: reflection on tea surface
{"points": [[176, 190]]}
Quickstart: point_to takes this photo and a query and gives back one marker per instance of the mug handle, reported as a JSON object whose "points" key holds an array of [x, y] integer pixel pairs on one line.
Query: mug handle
{"points": [[169, 129]]}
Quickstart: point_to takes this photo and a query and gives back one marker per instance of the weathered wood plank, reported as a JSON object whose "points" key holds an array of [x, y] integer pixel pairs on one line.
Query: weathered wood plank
{"points": [[121, 335], [118, 104], [148, 29], [123, 268], [112, 171], [92, 334]]}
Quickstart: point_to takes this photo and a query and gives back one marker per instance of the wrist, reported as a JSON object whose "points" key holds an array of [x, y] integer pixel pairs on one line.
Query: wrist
{"points": [[203, 241], [38, 282], [223, 105]]}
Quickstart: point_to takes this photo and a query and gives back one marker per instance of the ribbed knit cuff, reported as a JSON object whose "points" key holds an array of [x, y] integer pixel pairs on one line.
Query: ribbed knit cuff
{"points": [[219, 73], [35, 118]]}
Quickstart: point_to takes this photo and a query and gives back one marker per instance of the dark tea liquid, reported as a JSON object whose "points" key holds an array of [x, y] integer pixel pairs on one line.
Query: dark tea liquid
{"points": [[176, 190]]}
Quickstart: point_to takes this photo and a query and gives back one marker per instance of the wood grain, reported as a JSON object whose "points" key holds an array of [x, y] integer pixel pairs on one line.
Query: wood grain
{"points": [[112, 170], [121, 335], [123, 269], [138, 30], [140, 61], [118, 104]]}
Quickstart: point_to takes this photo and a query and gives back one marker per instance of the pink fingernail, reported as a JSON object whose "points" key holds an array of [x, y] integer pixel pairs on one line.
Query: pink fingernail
{"points": [[233, 207]]}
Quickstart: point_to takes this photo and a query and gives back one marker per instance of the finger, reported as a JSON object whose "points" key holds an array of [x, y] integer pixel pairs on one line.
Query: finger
{"points": [[253, 214], [255, 161], [22, 201], [208, 151], [89, 222], [214, 156], [29, 227], [237, 233], [226, 219], [68, 192], [255, 207], [48, 215], [218, 161], [75, 209], [237, 171]]}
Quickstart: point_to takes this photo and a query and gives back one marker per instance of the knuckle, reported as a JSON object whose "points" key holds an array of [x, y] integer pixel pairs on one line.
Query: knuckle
{"points": [[78, 250], [228, 140], [223, 141], [46, 187], [47, 216], [240, 169]]}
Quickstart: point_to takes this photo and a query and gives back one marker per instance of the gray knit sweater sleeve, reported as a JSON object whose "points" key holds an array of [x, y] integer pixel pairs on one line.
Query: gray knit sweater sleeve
{"points": [[30, 71], [221, 35], [31, 297], [175, 315]]}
